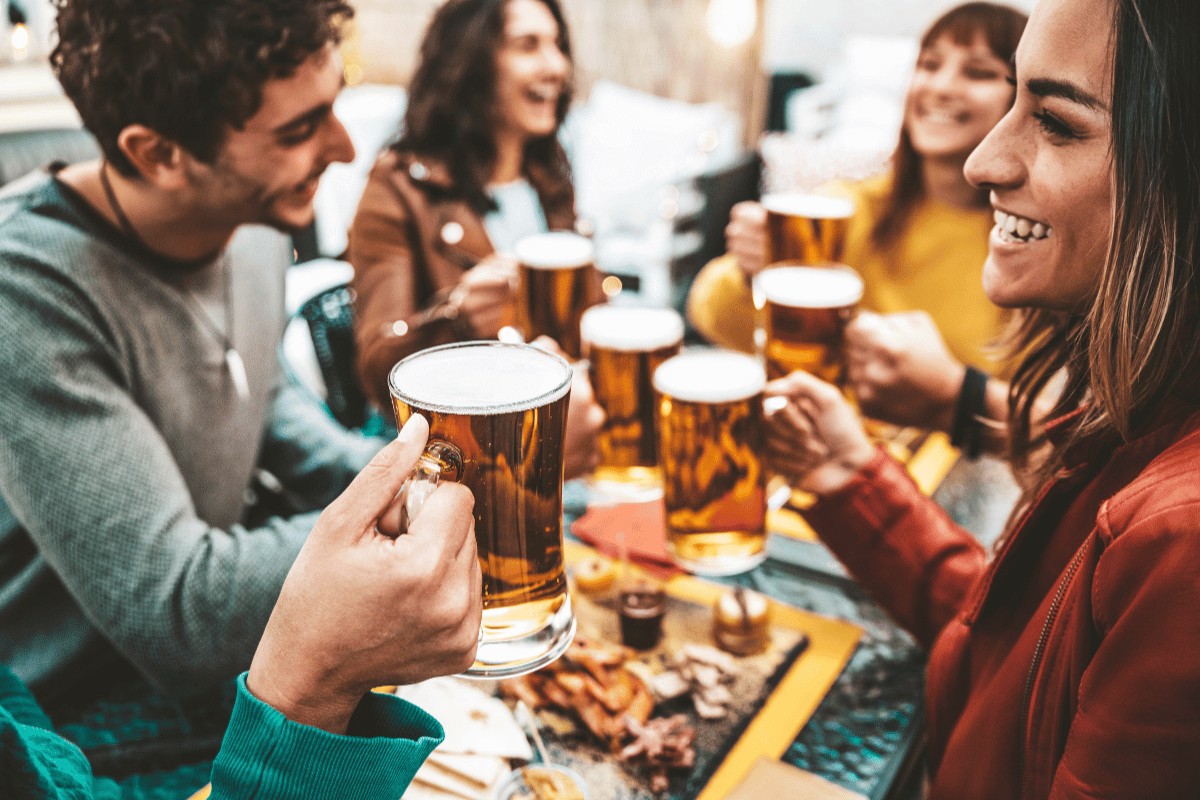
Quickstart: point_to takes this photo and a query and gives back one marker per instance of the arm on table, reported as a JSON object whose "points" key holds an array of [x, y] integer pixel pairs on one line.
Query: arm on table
{"points": [[898, 543]]}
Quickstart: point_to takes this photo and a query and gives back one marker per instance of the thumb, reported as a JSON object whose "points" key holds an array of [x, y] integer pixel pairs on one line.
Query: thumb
{"points": [[374, 489]]}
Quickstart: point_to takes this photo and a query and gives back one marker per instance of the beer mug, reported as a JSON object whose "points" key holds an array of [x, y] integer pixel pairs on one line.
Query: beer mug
{"points": [[497, 415], [557, 282], [804, 317], [808, 228], [710, 445], [624, 345]]}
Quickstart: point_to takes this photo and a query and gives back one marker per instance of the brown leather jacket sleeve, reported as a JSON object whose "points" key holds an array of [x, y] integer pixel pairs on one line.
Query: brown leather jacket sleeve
{"points": [[901, 546], [390, 285]]}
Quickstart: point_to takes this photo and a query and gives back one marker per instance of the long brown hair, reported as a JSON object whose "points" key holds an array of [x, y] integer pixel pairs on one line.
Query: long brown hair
{"points": [[1001, 27], [1139, 339], [451, 99]]}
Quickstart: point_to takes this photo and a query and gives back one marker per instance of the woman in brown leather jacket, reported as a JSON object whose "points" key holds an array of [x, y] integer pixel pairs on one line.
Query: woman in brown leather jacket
{"points": [[484, 107], [1069, 664], [478, 166]]}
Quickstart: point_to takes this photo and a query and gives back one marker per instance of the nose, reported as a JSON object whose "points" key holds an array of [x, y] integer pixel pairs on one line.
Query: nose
{"points": [[998, 162], [339, 147], [555, 61]]}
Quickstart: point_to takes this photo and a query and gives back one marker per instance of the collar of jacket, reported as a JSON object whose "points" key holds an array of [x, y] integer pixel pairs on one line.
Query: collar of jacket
{"points": [[434, 171]]}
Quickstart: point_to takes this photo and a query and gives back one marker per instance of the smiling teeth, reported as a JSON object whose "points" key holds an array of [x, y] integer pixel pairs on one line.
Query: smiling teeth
{"points": [[1020, 228]]}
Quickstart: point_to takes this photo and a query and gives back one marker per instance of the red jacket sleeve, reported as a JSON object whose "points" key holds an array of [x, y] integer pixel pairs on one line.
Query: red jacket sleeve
{"points": [[901, 546]]}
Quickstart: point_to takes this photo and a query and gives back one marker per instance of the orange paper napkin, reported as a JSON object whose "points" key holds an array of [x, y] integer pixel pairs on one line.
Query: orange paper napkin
{"points": [[645, 529]]}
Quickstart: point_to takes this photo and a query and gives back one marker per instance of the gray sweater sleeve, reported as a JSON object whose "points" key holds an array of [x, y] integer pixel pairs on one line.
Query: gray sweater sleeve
{"points": [[310, 452], [87, 474]]}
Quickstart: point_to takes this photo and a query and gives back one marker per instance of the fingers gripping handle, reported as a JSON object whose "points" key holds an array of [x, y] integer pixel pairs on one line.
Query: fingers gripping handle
{"points": [[441, 460]]}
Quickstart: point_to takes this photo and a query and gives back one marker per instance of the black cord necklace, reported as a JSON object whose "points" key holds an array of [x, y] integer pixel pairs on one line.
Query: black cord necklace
{"points": [[233, 359]]}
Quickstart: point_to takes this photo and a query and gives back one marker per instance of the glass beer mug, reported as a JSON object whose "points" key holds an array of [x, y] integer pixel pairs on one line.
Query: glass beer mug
{"points": [[556, 282], [808, 228], [624, 345], [804, 314], [710, 443], [497, 416]]}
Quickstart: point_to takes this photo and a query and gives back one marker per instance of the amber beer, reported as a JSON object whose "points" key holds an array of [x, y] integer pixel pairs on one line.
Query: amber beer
{"points": [[502, 408], [807, 228], [710, 444], [557, 282], [805, 313], [624, 345]]}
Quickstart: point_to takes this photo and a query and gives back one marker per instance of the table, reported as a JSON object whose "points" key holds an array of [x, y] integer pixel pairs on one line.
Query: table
{"points": [[867, 735]]}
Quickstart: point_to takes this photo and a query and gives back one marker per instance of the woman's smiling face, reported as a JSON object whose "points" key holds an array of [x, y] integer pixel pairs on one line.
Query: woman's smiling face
{"points": [[958, 93], [1048, 163]]}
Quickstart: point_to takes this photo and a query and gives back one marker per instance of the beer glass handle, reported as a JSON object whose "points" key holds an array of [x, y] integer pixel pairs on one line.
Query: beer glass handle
{"points": [[440, 460]]}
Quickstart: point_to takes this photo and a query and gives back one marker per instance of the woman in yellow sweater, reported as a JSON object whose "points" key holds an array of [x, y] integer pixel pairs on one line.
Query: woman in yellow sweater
{"points": [[918, 236]]}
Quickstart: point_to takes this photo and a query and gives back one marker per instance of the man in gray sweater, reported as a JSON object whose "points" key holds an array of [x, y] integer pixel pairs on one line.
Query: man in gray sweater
{"points": [[141, 302]]}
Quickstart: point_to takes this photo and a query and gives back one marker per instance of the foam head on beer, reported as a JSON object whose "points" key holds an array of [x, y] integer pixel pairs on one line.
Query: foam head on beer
{"points": [[555, 250], [482, 378], [810, 206], [631, 328], [810, 287], [710, 376]]}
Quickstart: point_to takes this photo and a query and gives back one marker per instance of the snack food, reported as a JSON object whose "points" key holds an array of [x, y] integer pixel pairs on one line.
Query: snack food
{"points": [[591, 680]]}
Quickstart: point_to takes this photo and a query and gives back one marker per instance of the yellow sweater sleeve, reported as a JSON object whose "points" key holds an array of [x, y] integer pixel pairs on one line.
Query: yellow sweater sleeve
{"points": [[720, 305]]}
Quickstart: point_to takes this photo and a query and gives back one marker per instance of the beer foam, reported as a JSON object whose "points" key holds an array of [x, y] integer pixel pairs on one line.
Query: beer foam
{"points": [[554, 250], [810, 287], [481, 378], [710, 376], [631, 328], [813, 206]]}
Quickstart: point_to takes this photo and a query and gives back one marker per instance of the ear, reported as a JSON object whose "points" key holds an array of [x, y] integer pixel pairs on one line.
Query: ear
{"points": [[156, 158]]}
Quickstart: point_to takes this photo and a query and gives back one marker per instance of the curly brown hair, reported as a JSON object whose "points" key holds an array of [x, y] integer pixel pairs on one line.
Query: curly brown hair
{"points": [[451, 98], [183, 68]]}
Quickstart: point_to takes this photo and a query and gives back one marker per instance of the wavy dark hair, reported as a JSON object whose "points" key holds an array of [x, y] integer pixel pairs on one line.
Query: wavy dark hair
{"points": [[183, 68], [1136, 341], [452, 96], [1001, 27]]}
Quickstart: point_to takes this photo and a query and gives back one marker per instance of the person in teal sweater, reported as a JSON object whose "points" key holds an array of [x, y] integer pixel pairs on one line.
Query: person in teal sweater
{"points": [[305, 722]]}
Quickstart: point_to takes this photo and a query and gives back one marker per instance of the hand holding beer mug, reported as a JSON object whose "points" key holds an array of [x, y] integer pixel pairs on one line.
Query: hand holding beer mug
{"points": [[497, 417], [556, 282], [815, 439], [624, 345], [805, 311], [710, 445]]}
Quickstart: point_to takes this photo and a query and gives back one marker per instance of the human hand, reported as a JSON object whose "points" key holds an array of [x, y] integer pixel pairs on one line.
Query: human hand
{"points": [[485, 298], [585, 418], [746, 235], [815, 441], [901, 371], [361, 608]]}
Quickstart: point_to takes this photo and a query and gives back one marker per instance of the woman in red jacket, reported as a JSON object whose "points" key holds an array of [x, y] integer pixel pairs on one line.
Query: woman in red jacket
{"points": [[1068, 665]]}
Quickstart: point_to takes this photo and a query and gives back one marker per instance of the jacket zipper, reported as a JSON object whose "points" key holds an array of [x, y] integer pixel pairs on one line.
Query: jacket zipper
{"points": [[1040, 651]]}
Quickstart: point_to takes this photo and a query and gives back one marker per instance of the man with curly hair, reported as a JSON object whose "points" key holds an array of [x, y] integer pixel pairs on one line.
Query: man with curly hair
{"points": [[141, 298]]}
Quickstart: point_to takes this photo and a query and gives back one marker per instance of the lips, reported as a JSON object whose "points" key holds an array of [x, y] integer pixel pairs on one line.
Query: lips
{"points": [[1020, 229], [542, 95]]}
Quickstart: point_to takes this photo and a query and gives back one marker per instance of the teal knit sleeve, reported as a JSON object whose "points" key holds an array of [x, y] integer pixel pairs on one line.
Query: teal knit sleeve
{"points": [[267, 757], [37, 763]]}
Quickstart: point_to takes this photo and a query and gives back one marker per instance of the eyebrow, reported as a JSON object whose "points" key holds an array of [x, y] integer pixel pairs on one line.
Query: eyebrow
{"points": [[312, 115], [1049, 87]]}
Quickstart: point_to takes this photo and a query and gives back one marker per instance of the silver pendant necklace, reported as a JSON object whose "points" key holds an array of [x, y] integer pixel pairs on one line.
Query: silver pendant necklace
{"points": [[233, 359]]}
